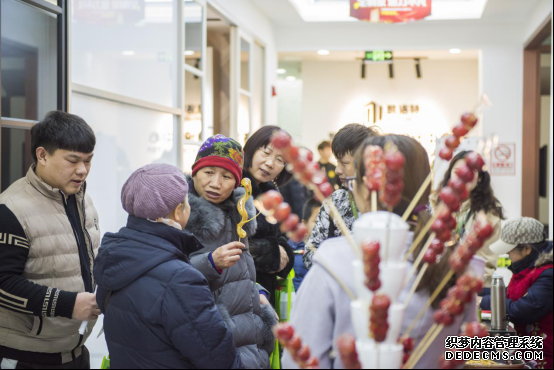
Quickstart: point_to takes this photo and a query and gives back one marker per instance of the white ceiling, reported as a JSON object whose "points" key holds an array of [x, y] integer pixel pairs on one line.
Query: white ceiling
{"points": [[287, 12]]}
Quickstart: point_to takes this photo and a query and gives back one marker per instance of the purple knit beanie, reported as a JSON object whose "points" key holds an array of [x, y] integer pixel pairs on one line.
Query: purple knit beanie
{"points": [[154, 191]]}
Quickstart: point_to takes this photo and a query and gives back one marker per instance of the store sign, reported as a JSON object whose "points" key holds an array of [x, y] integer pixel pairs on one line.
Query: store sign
{"points": [[390, 11], [503, 161], [378, 56], [375, 112]]}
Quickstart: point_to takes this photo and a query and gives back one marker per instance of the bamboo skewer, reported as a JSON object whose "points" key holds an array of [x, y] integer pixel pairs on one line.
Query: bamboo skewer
{"points": [[429, 302], [416, 350], [345, 231], [418, 196], [374, 201], [424, 346], [416, 284], [419, 259], [421, 235]]}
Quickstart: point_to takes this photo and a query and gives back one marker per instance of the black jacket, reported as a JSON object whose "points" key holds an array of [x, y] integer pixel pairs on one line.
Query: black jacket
{"points": [[264, 246], [159, 311]]}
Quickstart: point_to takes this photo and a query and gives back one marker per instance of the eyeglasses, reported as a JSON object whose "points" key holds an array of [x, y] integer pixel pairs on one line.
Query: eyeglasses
{"points": [[266, 154], [350, 182]]}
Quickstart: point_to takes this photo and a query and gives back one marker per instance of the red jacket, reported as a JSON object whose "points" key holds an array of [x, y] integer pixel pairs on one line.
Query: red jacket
{"points": [[530, 295]]}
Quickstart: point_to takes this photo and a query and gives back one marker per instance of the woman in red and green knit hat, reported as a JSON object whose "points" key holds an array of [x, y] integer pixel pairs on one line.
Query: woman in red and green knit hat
{"points": [[226, 262]]}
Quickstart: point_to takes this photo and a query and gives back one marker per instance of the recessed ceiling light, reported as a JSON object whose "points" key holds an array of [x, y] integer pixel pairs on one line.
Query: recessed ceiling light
{"points": [[281, 71], [323, 52], [189, 52], [455, 51], [291, 78], [128, 53]]}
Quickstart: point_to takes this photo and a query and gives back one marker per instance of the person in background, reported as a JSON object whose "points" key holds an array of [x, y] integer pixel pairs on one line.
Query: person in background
{"points": [[325, 164], [344, 146], [265, 166], [225, 259], [296, 194], [322, 312], [309, 217], [482, 199], [146, 281], [530, 291], [49, 237]]}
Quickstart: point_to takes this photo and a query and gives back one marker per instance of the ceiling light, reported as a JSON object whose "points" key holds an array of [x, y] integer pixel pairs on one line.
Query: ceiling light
{"points": [[455, 51], [128, 53], [291, 78], [189, 52], [281, 71], [323, 52]]}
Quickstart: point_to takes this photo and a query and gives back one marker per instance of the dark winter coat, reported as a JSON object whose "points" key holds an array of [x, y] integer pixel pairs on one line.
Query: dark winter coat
{"points": [[530, 299], [296, 195], [264, 246], [235, 288], [159, 311]]}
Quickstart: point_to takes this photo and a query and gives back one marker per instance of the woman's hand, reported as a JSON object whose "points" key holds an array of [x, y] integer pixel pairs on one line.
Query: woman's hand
{"points": [[265, 302], [284, 259], [228, 255]]}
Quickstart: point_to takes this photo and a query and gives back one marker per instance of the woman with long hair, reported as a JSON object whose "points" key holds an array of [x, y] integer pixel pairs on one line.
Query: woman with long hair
{"points": [[481, 199], [322, 310]]}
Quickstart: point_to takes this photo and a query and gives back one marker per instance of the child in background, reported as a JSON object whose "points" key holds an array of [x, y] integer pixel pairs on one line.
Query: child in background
{"points": [[309, 218]]}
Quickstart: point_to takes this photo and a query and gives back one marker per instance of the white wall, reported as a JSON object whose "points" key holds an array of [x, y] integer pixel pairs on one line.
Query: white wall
{"points": [[542, 12], [335, 94]]}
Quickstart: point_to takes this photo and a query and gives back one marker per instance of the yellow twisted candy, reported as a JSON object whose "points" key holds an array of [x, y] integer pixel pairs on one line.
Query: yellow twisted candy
{"points": [[241, 206]]}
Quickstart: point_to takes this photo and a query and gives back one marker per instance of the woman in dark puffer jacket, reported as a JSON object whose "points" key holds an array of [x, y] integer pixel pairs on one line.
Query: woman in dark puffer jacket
{"points": [[265, 167], [159, 311]]}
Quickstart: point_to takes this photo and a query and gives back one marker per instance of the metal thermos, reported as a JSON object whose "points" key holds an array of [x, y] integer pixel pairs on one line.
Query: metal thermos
{"points": [[499, 319]]}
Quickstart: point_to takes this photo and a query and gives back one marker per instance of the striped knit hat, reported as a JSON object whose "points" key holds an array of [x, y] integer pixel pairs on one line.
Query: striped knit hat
{"points": [[220, 151]]}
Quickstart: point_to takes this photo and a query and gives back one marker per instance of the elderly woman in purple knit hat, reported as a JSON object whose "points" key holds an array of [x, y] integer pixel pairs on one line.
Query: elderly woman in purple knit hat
{"points": [[159, 310], [226, 262]]}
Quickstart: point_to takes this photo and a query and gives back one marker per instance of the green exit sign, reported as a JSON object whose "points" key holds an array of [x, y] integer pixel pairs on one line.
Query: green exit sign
{"points": [[378, 56]]}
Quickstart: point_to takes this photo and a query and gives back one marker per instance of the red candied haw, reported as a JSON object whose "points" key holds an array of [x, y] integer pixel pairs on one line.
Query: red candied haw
{"points": [[439, 316], [473, 329], [299, 234], [394, 176], [381, 302], [464, 254], [285, 332], [326, 189], [406, 358], [465, 282], [374, 285], [395, 161], [295, 344], [390, 199], [469, 120], [448, 320], [445, 214], [282, 212], [281, 140], [312, 363], [430, 257], [452, 142], [408, 344], [464, 195], [437, 246], [457, 265], [374, 184], [444, 236], [465, 174], [272, 199], [394, 188], [300, 166], [438, 226], [455, 308], [380, 334], [310, 156], [446, 154], [310, 171], [477, 286], [292, 154], [371, 249], [449, 197], [372, 274], [460, 130], [457, 185], [475, 162], [452, 223], [463, 295], [474, 243], [290, 224], [485, 231], [304, 353], [319, 177]]}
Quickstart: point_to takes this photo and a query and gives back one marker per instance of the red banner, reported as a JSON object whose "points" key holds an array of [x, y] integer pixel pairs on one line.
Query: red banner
{"points": [[390, 11]]}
